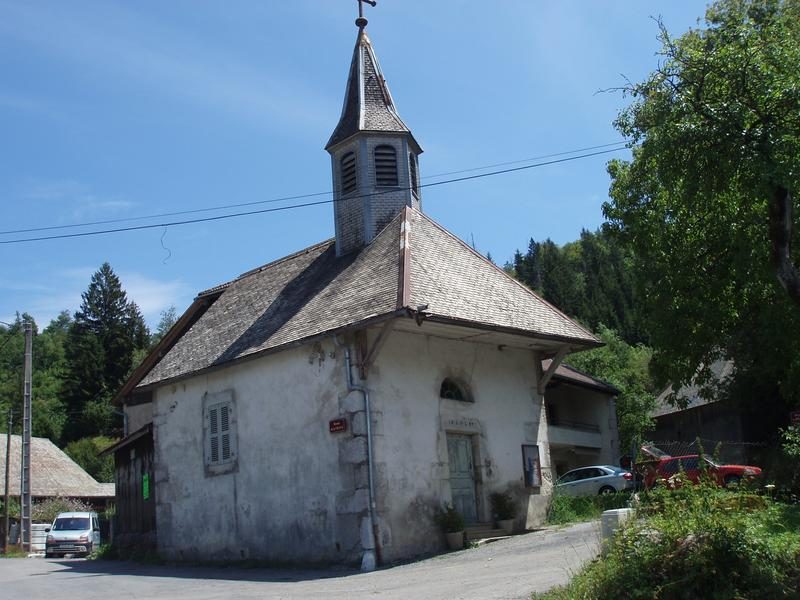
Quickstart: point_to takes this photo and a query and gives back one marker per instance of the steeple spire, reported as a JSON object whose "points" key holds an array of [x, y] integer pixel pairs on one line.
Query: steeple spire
{"points": [[368, 104], [373, 153]]}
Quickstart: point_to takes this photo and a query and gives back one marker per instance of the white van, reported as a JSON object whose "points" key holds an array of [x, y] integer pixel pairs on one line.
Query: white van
{"points": [[73, 533]]}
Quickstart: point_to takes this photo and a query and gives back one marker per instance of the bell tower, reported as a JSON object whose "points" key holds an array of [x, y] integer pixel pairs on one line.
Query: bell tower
{"points": [[374, 156]]}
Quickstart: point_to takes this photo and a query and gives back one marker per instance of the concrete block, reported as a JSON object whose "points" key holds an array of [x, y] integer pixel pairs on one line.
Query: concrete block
{"points": [[353, 450], [361, 476], [384, 532], [358, 423], [352, 402], [347, 476], [352, 502]]}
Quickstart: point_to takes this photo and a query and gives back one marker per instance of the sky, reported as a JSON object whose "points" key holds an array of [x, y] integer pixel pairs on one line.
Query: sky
{"points": [[115, 111]]}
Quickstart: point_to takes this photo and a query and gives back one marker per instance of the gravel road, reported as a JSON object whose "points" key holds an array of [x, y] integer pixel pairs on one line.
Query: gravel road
{"points": [[510, 568]]}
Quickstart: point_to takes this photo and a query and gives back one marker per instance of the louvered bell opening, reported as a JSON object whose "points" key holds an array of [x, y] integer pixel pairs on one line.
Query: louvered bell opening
{"points": [[412, 161], [348, 167], [385, 166]]}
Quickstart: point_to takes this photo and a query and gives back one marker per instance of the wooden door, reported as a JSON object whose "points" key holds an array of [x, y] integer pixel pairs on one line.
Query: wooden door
{"points": [[462, 476]]}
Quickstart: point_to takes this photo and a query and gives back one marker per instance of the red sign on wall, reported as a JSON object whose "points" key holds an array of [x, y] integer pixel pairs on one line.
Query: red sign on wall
{"points": [[337, 425]]}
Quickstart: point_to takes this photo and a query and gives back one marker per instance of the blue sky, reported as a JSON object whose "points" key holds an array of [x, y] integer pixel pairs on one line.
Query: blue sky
{"points": [[112, 110]]}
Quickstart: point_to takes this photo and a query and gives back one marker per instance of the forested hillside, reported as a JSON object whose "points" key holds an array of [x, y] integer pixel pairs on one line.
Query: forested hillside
{"points": [[79, 363], [592, 280]]}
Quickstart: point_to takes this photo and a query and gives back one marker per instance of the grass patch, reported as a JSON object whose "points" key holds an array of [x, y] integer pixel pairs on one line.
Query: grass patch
{"points": [[697, 542], [14, 552], [575, 509]]}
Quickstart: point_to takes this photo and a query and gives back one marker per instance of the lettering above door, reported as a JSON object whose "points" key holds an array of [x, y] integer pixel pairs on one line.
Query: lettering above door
{"points": [[466, 424]]}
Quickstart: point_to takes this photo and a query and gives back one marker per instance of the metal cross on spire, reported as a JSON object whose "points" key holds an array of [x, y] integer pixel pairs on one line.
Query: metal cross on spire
{"points": [[361, 22]]}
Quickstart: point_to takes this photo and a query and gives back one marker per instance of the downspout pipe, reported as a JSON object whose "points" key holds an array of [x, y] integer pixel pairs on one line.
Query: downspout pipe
{"points": [[371, 557]]}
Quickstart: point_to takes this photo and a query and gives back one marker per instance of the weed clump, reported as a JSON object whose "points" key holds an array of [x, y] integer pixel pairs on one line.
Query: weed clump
{"points": [[697, 542]]}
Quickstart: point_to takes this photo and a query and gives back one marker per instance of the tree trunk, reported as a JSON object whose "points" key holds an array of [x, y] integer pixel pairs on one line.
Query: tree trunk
{"points": [[781, 226]]}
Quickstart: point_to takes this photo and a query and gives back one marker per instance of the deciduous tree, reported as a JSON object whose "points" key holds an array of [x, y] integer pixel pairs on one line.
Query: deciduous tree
{"points": [[707, 203]]}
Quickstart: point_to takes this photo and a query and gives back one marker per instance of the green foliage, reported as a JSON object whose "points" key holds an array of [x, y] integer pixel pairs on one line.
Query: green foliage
{"points": [[168, 318], [13, 507], [47, 510], [85, 452], [589, 279], [101, 344], [625, 367], [449, 519], [503, 506], [716, 158], [575, 509], [48, 364], [697, 542]]}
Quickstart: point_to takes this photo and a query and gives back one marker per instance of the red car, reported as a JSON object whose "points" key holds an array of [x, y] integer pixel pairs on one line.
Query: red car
{"points": [[666, 467]]}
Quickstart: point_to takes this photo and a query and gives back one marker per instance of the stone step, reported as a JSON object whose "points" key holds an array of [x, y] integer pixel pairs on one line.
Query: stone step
{"points": [[481, 533]]}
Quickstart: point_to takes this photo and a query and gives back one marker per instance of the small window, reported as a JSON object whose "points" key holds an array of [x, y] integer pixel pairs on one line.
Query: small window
{"points": [[220, 433], [348, 172], [450, 390], [412, 161], [385, 166]]}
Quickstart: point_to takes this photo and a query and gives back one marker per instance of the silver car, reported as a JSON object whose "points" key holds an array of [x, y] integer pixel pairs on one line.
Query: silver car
{"points": [[73, 533], [600, 479]]}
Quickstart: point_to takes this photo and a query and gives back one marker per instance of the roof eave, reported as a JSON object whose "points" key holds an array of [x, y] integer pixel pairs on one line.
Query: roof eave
{"points": [[373, 320], [187, 319], [574, 344]]}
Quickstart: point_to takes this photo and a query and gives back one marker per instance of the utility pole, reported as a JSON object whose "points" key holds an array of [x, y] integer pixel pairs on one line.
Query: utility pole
{"points": [[8, 474], [25, 492]]}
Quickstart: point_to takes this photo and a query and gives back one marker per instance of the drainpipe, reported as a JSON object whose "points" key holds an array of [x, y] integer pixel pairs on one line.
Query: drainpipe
{"points": [[371, 557]]}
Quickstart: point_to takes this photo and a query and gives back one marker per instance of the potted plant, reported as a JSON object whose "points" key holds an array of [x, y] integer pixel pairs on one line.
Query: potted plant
{"points": [[452, 524], [504, 509]]}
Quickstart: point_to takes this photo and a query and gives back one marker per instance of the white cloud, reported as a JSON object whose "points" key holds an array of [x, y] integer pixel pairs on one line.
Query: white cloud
{"points": [[46, 301], [79, 199], [153, 295]]}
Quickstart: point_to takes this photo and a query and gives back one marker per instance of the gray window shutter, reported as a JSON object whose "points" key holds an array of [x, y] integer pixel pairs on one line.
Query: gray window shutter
{"points": [[213, 433]]}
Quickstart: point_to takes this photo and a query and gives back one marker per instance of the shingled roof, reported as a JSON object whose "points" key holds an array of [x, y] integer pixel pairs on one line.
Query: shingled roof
{"points": [[412, 263], [53, 473], [577, 377], [368, 105]]}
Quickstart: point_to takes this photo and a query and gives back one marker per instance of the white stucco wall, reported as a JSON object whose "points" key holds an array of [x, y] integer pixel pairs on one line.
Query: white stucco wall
{"points": [[411, 448], [299, 492], [281, 502]]}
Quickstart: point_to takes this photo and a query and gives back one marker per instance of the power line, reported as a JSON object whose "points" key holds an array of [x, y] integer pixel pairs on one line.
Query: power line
{"points": [[302, 205], [286, 198]]}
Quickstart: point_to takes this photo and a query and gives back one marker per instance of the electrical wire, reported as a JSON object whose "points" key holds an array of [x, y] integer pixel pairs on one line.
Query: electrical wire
{"points": [[288, 198], [301, 205]]}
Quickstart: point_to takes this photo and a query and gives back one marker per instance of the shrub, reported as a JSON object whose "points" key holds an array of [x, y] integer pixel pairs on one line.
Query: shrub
{"points": [[450, 520], [574, 509], [698, 542], [503, 506], [47, 510], [86, 452]]}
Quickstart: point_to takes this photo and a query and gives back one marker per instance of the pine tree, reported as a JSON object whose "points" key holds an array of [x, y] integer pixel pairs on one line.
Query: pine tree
{"points": [[106, 333]]}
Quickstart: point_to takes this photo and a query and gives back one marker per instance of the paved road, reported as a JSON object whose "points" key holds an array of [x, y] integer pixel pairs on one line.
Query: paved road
{"points": [[511, 568]]}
